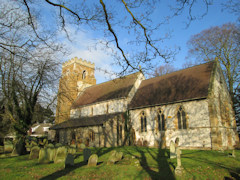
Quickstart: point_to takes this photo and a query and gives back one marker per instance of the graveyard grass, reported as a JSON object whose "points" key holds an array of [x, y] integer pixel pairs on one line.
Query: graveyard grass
{"points": [[138, 163]]}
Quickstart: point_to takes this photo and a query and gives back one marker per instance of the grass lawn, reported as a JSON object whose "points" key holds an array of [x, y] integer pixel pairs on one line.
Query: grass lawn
{"points": [[139, 163]]}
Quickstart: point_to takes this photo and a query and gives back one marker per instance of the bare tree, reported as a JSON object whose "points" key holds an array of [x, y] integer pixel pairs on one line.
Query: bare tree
{"points": [[163, 69], [131, 20], [29, 67], [221, 42]]}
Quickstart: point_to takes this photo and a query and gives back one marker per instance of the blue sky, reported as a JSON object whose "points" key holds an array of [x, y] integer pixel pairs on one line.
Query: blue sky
{"points": [[84, 45]]}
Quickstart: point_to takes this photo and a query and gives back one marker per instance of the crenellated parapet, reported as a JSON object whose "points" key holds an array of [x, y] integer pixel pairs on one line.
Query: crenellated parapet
{"points": [[79, 61]]}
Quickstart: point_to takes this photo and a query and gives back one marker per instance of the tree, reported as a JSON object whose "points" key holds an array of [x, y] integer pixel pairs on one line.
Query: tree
{"points": [[164, 69], [128, 27], [29, 67], [221, 42]]}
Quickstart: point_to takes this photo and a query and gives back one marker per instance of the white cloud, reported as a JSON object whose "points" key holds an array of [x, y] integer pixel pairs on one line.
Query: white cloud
{"points": [[83, 45]]}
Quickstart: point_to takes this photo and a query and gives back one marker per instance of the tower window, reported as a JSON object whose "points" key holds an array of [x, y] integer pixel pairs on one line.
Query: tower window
{"points": [[161, 120], [84, 74], [181, 115], [143, 122]]}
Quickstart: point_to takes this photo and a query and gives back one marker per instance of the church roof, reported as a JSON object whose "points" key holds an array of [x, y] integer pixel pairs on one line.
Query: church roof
{"points": [[183, 85], [114, 89], [84, 121]]}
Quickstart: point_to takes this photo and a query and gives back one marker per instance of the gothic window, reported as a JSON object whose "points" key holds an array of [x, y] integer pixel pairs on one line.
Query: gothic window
{"points": [[84, 74], [143, 122], [73, 138], [181, 115], [91, 135], [161, 120]]}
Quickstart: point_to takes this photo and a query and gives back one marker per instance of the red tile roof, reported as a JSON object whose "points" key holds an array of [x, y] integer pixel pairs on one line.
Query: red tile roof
{"points": [[186, 84]]}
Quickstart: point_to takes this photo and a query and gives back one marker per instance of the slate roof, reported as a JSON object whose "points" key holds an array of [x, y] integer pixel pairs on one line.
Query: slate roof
{"points": [[84, 121], [186, 84], [114, 89]]}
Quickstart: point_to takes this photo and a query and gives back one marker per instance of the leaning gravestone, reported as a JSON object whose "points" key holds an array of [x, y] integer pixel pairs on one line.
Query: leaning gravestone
{"points": [[172, 150], [61, 155], [93, 159], [69, 162], [43, 156], [119, 156], [34, 154], [112, 158], [86, 154]]}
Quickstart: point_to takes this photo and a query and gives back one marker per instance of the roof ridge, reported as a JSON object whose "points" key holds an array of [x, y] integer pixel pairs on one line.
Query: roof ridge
{"points": [[181, 70], [112, 80]]}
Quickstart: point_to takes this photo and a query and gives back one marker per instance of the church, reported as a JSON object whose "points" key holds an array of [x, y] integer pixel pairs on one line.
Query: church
{"points": [[192, 105]]}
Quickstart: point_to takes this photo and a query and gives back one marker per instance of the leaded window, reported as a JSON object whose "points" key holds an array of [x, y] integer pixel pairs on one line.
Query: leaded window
{"points": [[161, 121], [143, 122], [181, 115]]}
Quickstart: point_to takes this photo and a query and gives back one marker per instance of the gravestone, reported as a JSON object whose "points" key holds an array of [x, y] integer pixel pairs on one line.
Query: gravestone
{"points": [[119, 156], [19, 148], [179, 168], [93, 159], [50, 145], [233, 153], [114, 157], [82, 146], [172, 150], [69, 162], [58, 145], [8, 146], [34, 154], [61, 155], [51, 153], [86, 154], [72, 149], [43, 156]]}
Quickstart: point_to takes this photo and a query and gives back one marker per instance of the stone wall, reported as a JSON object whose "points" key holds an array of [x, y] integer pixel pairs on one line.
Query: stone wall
{"points": [[197, 134], [222, 119], [106, 135], [105, 107], [71, 84]]}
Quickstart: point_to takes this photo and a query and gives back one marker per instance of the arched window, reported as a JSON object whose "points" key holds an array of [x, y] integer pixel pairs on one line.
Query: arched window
{"points": [[91, 136], [143, 122], [181, 115], [161, 120], [84, 74]]}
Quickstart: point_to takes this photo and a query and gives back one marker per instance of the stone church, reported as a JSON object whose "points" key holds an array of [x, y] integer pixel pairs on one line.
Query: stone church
{"points": [[192, 105]]}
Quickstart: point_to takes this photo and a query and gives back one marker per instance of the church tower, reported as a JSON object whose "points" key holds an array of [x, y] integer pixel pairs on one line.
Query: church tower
{"points": [[76, 75]]}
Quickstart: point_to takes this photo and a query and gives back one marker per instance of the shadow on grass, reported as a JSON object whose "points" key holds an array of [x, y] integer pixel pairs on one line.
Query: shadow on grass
{"points": [[63, 172]]}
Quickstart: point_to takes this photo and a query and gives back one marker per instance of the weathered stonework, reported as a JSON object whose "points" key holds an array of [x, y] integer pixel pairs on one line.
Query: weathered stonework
{"points": [[200, 118], [76, 75], [198, 128], [223, 123]]}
